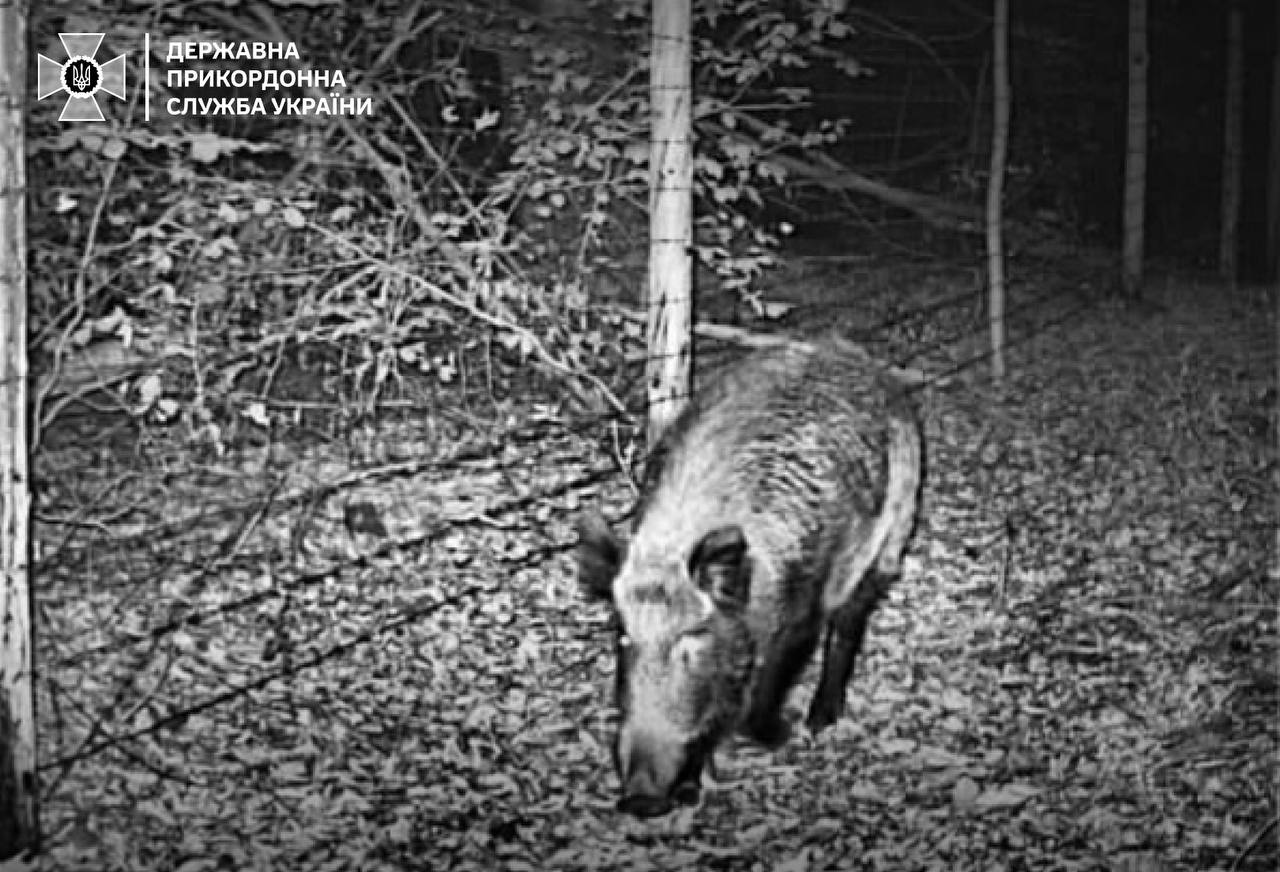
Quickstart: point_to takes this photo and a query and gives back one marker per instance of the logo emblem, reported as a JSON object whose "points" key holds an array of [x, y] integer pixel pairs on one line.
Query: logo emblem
{"points": [[81, 77]]}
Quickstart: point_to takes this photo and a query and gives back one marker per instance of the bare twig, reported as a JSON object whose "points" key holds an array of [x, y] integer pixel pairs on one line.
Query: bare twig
{"points": [[1253, 843], [60, 350], [528, 338]]}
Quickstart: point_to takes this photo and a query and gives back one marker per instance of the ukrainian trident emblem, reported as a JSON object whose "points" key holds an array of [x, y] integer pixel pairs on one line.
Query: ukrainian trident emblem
{"points": [[80, 76]]}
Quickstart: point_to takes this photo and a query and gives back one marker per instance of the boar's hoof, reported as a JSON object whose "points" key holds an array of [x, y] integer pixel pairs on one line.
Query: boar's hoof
{"points": [[686, 794], [822, 714]]}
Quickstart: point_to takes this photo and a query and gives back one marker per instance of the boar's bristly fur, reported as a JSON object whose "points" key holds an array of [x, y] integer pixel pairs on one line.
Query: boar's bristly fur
{"points": [[778, 511]]}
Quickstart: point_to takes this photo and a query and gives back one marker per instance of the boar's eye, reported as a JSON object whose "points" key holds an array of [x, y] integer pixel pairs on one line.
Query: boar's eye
{"points": [[696, 637]]}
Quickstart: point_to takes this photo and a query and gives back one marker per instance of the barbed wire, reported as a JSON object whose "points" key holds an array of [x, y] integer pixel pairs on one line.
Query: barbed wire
{"points": [[406, 618], [485, 452], [314, 577], [977, 328]]}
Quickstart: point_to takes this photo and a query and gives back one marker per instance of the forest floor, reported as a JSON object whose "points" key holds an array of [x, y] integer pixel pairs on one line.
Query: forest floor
{"points": [[366, 649]]}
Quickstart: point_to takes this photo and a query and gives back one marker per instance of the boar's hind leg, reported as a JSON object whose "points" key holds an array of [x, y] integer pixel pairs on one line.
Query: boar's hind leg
{"points": [[847, 622], [776, 676], [845, 628]]}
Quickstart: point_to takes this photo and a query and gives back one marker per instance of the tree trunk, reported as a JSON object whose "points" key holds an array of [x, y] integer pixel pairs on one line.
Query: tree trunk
{"points": [[1232, 160], [18, 820], [1135, 162], [995, 183], [1273, 164], [670, 301]]}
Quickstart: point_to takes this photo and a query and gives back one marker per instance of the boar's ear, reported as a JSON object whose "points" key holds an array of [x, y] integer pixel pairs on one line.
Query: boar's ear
{"points": [[599, 556], [720, 567]]}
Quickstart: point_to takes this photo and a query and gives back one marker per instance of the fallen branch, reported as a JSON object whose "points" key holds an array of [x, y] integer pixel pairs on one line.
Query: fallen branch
{"points": [[828, 173]]}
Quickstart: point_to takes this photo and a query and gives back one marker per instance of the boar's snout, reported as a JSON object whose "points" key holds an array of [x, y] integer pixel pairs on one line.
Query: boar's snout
{"points": [[648, 805], [644, 806], [656, 776]]}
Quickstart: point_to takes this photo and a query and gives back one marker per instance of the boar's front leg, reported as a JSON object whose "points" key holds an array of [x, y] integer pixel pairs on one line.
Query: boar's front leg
{"points": [[775, 677]]}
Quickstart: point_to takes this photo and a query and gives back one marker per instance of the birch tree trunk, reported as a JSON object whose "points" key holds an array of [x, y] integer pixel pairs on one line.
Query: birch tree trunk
{"points": [[1232, 159], [18, 820], [1273, 165], [1135, 159], [995, 183], [670, 301]]}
